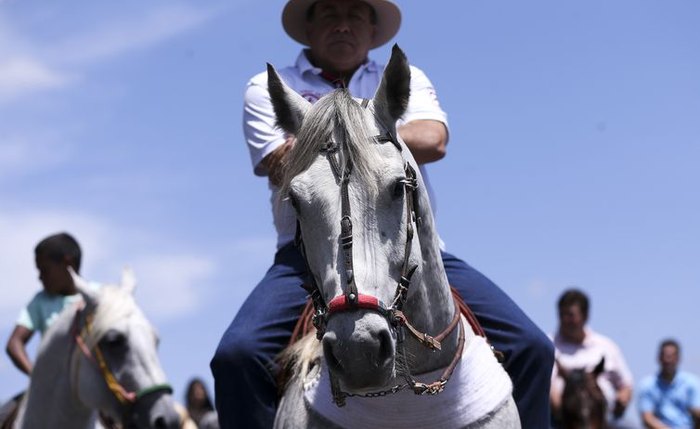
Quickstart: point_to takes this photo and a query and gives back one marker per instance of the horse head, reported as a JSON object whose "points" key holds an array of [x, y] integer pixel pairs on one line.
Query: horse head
{"points": [[583, 403], [366, 228], [115, 367]]}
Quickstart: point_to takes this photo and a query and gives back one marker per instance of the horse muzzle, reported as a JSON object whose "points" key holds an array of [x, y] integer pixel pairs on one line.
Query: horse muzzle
{"points": [[359, 348]]}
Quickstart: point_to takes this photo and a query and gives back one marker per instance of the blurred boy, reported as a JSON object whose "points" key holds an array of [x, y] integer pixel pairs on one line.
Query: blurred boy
{"points": [[53, 256]]}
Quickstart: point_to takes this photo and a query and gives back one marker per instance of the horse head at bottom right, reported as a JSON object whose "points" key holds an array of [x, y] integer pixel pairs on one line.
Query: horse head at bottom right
{"points": [[583, 404]]}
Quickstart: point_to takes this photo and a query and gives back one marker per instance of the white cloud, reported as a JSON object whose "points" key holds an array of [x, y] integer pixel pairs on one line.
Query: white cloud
{"points": [[129, 34], [171, 286], [22, 75], [30, 65], [30, 152]]}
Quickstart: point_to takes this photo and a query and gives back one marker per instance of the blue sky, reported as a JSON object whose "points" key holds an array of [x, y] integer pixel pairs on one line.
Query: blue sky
{"points": [[573, 159]]}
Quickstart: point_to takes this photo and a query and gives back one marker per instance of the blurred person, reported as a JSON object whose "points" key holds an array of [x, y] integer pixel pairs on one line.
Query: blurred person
{"points": [[52, 256], [199, 405], [671, 398], [578, 346]]}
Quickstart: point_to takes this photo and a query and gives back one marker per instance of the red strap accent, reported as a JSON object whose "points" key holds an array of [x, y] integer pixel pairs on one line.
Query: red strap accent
{"points": [[340, 303], [337, 81]]}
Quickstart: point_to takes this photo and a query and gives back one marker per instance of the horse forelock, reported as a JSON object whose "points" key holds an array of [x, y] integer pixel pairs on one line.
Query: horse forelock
{"points": [[339, 118], [115, 305]]}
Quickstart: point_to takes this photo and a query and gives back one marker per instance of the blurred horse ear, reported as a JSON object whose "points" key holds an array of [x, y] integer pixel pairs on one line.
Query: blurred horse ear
{"points": [[89, 296], [290, 107], [128, 281], [391, 98], [600, 367]]}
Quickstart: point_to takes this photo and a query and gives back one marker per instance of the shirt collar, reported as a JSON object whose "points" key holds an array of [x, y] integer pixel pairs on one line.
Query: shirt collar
{"points": [[304, 65]]}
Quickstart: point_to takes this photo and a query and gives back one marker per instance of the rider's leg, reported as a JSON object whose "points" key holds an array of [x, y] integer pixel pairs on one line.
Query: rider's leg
{"points": [[243, 365], [529, 352]]}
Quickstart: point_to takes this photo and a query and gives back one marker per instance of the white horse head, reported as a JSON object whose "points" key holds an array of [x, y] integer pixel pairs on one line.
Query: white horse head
{"points": [[361, 260], [101, 357]]}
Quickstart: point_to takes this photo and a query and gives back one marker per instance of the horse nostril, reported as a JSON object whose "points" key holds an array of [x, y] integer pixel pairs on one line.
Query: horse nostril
{"points": [[166, 422], [386, 351], [160, 423], [330, 342]]}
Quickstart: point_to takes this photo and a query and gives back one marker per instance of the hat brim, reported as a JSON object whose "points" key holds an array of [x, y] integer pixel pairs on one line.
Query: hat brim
{"points": [[388, 20]]}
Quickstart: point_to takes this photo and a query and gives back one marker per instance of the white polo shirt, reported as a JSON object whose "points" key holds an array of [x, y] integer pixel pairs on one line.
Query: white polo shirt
{"points": [[263, 137], [587, 355]]}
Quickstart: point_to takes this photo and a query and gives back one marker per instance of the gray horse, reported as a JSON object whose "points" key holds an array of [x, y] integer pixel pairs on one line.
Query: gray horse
{"points": [[378, 283]]}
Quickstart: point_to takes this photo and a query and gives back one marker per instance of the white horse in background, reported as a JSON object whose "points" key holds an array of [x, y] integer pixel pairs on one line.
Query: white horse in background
{"points": [[377, 289], [103, 357]]}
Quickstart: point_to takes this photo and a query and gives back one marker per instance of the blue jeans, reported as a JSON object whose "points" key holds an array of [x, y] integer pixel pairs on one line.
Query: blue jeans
{"points": [[244, 369]]}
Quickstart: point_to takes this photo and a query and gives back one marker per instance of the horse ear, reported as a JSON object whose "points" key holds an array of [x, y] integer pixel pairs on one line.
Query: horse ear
{"points": [[289, 106], [89, 296], [128, 279], [391, 98], [600, 367]]}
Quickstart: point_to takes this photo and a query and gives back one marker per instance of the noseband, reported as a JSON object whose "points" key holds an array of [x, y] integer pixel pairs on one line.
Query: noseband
{"points": [[127, 399], [352, 300]]}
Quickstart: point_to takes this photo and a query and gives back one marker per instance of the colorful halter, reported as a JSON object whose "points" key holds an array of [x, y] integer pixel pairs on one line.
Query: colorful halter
{"points": [[126, 398]]}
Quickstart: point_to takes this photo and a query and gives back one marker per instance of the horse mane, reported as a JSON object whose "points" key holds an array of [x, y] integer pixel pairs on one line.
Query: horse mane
{"points": [[335, 117], [114, 304]]}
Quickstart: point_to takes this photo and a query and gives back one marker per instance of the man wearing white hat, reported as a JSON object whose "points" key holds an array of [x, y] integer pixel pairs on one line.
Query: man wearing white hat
{"points": [[338, 35]]}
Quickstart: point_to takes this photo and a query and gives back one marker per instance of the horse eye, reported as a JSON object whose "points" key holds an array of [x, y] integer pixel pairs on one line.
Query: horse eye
{"points": [[293, 201], [399, 188], [113, 340]]}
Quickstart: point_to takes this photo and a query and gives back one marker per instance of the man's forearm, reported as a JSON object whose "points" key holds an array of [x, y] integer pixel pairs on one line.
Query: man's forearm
{"points": [[427, 139], [275, 162]]}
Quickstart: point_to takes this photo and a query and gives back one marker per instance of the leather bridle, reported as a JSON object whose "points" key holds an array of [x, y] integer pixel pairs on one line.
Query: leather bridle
{"points": [[127, 399], [352, 300]]}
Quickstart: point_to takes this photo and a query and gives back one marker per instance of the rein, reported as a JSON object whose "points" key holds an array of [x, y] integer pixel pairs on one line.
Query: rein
{"points": [[124, 396], [352, 300]]}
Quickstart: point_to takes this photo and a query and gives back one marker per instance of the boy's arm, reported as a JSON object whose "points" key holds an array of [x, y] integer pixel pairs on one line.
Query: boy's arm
{"points": [[16, 348]]}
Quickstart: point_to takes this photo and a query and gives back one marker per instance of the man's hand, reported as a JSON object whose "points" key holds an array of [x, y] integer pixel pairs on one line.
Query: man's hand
{"points": [[276, 161], [622, 399]]}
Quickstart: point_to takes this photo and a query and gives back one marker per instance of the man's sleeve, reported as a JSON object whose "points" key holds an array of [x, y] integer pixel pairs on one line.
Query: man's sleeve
{"points": [[423, 102], [261, 134], [645, 399], [622, 376]]}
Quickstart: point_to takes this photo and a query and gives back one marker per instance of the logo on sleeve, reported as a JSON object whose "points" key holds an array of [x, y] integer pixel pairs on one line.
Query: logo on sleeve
{"points": [[311, 96]]}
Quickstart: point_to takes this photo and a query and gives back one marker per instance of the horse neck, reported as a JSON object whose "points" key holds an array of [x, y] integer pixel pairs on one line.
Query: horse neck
{"points": [[50, 400]]}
